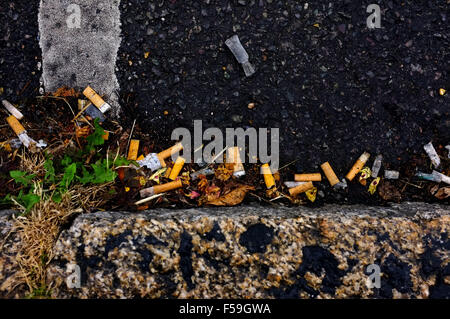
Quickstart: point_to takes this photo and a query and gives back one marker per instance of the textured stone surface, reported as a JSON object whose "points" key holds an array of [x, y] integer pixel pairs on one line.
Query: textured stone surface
{"points": [[9, 269], [78, 57], [257, 252]]}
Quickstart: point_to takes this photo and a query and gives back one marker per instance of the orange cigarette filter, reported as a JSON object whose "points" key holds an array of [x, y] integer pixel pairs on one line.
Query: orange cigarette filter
{"points": [[167, 187], [268, 177], [359, 164], [300, 188], [329, 173], [96, 99], [169, 152], [314, 177], [234, 157], [133, 150], [15, 125], [176, 169]]}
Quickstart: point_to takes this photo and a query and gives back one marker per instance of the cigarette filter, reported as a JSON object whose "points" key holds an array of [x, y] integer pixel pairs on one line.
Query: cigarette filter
{"points": [[359, 164], [167, 173], [377, 165], [11, 109], [96, 100], [133, 150], [157, 189], [431, 152], [233, 157], [169, 152], [300, 189], [390, 174], [314, 177], [268, 177], [291, 184], [176, 169], [329, 173], [15, 125]]}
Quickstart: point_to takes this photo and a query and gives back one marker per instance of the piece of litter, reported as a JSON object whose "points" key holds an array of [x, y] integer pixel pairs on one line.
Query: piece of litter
{"points": [[151, 161], [311, 194], [157, 189], [41, 144], [373, 185], [291, 184], [240, 54], [12, 109], [443, 178], [177, 167], [377, 165], [329, 173], [95, 113], [300, 189], [204, 171], [391, 174], [96, 100], [268, 177], [359, 164], [341, 185], [313, 177], [431, 152], [442, 91], [20, 131], [233, 157], [133, 150], [448, 149], [365, 174], [145, 200]]}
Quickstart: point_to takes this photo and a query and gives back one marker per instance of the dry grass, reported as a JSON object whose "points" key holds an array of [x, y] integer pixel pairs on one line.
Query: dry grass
{"points": [[39, 229]]}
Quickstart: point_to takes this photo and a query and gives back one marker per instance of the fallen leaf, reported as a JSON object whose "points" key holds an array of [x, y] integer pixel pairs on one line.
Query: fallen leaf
{"points": [[235, 197], [442, 193], [65, 92]]}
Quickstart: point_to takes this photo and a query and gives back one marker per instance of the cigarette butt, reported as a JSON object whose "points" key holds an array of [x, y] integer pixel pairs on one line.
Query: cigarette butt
{"points": [[133, 150], [169, 152], [359, 164], [96, 99], [158, 189], [13, 110], [140, 158], [329, 173], [234, 157], [268, 177], [106, 136], [15, 125], [300, 188], [313, 177], [176, 169], [167, 173]]}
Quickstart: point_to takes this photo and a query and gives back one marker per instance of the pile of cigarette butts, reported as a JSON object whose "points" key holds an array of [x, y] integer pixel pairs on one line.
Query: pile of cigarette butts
{"points": [[156, 162]]}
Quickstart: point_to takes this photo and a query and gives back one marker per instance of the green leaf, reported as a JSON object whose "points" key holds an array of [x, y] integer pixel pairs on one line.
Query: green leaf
{"points": [[49, 171], [28, 200], [87, 176], [69, 174], [96, 138], [21, 177], [67, 160], [102, 173]]}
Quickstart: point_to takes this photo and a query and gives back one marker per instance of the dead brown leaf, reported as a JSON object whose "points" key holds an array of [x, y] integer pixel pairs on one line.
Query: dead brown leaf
{"points": [[235, 197], [442, 193], [65, 92], [389, 192]]}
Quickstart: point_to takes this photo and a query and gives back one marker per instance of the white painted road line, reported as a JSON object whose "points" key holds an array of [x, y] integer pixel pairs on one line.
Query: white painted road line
{"points": [[79, 41]]}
